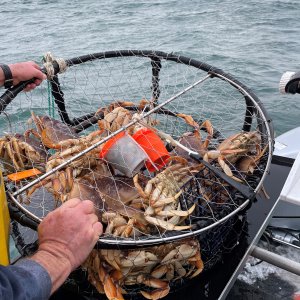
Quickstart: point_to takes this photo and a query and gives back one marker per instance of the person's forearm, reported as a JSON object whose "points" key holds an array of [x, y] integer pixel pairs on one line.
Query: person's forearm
{"points": [[56, 265]]}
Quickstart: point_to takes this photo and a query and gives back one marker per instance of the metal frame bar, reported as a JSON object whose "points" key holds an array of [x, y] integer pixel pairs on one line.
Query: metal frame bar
{"points": [[276, 260]]}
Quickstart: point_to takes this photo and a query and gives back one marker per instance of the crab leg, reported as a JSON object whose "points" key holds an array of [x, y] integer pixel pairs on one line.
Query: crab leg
{"points": [[181, 252], [197, 261], [112, 257], [138, 187], [181, 271], [17, 150], [180, 213], [161, 287], [11, 154], [165, 225], [159, 271], [110, 288], [189, 120], [116, 222], [210, 131], [156, 294], [175, 218], [167, 200], [152, 282], [247, 164], [139, 258]]}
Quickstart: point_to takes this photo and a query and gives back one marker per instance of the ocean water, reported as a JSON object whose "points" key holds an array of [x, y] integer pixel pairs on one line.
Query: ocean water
{"points": [[256, 41]]}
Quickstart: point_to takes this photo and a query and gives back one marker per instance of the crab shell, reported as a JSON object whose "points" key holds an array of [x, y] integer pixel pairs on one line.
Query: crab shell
{"points": [[107, 193], [52, 131], [191, 140], [239, 145], [116, 192]]}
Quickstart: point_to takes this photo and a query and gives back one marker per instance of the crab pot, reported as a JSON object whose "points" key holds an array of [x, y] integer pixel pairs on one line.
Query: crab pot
{"points": [[106, 89]]}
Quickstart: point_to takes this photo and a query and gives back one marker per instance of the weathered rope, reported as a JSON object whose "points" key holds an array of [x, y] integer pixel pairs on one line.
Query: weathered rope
{"points": [[48, 64], [49, 60]]}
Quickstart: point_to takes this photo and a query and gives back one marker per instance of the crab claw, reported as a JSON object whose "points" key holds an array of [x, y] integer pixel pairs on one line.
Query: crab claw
{"points": [[189, 120], [210, 131], [198, 263], [159, 271], [110, 289], [182, 252], [156, 294], [179, 213]]}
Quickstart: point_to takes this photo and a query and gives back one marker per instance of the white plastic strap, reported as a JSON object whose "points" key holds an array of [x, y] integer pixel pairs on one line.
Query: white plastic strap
{"points": [[291, 188]]}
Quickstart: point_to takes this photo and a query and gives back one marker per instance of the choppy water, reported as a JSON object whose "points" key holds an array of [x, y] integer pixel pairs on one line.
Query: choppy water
{"points": [[256, 41]]}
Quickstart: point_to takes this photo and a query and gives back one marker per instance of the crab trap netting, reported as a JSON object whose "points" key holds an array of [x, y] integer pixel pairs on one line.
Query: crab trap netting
{"points": [[170, 150]]}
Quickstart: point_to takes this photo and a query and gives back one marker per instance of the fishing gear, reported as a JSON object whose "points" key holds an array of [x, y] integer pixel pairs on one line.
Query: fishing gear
{"points": [[204, 142]]}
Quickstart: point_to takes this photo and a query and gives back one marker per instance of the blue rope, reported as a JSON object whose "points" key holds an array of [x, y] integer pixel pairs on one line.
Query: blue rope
{"points": [[51, 111]]}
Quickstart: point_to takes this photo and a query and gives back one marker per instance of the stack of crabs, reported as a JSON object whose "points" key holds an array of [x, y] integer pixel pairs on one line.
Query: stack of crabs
{"points": [[146, 205]]}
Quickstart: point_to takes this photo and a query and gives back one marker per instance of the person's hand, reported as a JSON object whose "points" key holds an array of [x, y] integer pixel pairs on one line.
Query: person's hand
{"points": [[66, 237], [25, 71], [70, 231]]}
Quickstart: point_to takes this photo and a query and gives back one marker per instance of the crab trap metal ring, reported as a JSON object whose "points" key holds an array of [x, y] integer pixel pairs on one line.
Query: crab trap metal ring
{"points": [[202, 144]]}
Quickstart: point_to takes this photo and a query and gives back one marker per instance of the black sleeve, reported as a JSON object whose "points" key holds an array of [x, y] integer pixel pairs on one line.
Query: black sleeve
{"points": [[25, 280]]}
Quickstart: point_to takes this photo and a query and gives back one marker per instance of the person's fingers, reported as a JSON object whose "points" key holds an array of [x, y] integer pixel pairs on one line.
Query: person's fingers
{"points": [[37, 82], [30, 87], [39, 74], [35, 65], [87, 206], [33, 85], [98, 229], [93, 218], [71, 203]]}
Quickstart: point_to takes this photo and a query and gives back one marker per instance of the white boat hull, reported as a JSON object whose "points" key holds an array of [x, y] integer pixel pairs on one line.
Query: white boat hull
{"points": [[287, 212]]}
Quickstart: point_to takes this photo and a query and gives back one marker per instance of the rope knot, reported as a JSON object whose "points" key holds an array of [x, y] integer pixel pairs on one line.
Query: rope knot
{"points": [[49, 60]]}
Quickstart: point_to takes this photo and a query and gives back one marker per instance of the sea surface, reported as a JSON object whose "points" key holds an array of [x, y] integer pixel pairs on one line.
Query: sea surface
{"points": [[256, 41]]}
